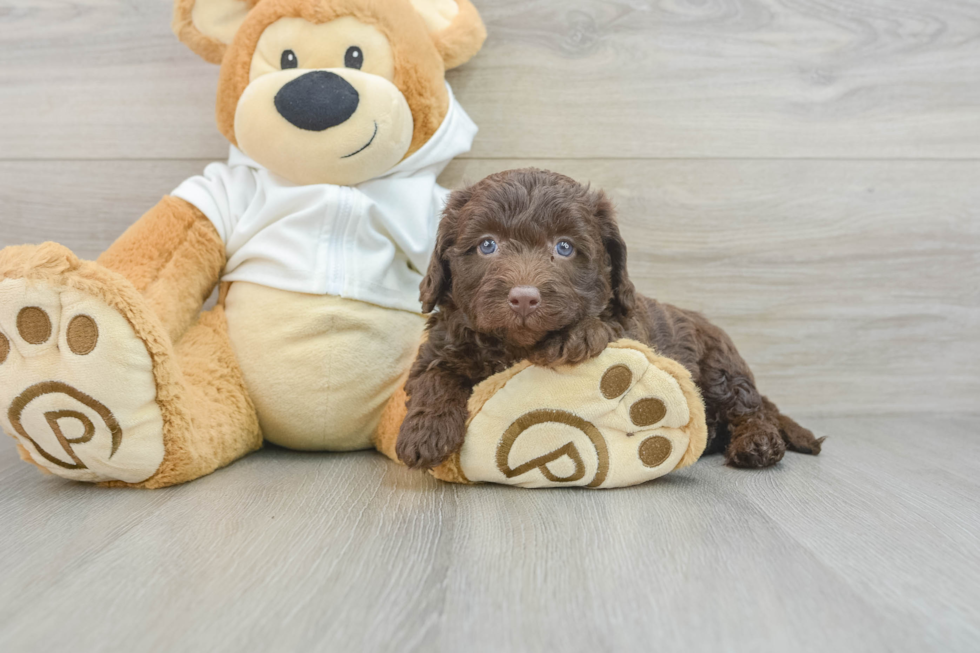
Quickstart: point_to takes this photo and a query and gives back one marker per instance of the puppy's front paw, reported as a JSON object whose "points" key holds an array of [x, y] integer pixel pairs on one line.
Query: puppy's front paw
{"points": [[425, 440], [578, 345]]}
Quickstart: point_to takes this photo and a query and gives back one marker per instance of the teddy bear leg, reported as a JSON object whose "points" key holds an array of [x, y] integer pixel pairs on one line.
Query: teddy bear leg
{"points": [[214, 421], [93, 388], [173, 257], [623, 418], [386, 435]]}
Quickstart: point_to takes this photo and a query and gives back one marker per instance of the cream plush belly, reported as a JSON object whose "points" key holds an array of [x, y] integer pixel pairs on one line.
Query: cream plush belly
{"points": [[319, 368]]}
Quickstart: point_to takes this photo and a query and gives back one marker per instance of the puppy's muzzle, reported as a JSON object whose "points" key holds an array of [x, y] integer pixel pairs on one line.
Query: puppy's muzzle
{"points": [[317, 101], [524, 300]]}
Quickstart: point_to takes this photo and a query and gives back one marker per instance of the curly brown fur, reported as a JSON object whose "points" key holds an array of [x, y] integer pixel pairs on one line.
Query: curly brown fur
{"points": [[586, 301]]}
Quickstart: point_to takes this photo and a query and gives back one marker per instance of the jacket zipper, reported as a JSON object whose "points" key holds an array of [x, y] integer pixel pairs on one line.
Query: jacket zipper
{"points": [[338, 241]]}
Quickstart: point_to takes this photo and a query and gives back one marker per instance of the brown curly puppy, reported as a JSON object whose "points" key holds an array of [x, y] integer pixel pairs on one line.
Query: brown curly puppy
{"points": [[530, 265]]}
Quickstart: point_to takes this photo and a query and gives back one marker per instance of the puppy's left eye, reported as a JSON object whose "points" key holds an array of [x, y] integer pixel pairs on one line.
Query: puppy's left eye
{"points": [[488, 246], [354, 58], [564, 248]]}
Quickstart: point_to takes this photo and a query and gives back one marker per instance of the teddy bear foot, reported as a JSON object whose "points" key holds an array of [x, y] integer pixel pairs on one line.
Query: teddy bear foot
{"points": [[625, 417], [77, 386]]}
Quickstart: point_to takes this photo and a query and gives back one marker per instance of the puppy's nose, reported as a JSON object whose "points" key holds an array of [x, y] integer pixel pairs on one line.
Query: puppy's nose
{"points": [[317, 101], [524, 300]]}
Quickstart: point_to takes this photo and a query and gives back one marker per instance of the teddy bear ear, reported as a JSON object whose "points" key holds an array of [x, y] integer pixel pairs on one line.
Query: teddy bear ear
{"points": [[455, 26], [208, 26]]}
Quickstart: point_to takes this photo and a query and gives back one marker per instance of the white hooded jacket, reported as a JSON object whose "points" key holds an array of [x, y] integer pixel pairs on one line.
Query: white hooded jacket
{"points": [[370, 242]]}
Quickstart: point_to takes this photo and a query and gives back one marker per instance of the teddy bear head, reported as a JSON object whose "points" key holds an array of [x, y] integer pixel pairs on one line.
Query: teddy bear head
{"points": [[330, 91]]}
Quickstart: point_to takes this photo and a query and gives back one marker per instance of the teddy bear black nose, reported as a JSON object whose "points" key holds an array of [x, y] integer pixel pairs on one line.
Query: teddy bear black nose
{"points": [[317, 100]]}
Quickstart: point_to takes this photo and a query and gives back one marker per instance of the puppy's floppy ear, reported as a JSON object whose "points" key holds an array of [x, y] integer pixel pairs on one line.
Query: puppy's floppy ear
{"points": [[208, 26], [456, 28], [624, 293], [438, 279]]}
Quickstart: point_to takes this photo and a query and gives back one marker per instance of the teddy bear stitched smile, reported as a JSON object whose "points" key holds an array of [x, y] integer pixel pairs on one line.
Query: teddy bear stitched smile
{"points": [[322, 104]]}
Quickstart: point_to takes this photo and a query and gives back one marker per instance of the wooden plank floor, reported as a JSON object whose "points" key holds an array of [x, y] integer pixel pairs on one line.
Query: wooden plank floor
{"points": [[869, 547], [807, 172]]}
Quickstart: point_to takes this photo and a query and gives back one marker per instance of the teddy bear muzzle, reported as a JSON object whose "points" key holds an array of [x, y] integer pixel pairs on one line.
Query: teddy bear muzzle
{"points": [[324, 126]]}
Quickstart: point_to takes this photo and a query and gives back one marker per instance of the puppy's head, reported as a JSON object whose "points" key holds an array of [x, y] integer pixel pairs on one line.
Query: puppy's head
{"points": [[525, 253]]}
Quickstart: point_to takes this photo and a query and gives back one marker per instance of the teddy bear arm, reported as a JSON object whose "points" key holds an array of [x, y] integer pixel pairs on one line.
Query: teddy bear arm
{"points": [[174, 256]]}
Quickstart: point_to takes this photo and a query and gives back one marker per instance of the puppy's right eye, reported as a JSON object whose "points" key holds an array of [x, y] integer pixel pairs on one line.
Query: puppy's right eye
{"points": [[488, 246], [288, 60]]}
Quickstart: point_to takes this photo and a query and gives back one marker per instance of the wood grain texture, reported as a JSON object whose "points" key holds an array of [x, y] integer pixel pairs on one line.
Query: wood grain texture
{"points": [[803, 171], [869, 547], [584, 78], [851, 287]]}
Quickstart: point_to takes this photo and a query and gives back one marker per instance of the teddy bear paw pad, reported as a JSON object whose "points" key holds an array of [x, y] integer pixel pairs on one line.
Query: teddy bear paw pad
{"points": [[620, 419], [77, 389]]}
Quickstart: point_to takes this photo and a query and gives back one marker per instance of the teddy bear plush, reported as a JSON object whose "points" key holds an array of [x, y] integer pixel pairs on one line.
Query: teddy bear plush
{"points": [[315, 231]]}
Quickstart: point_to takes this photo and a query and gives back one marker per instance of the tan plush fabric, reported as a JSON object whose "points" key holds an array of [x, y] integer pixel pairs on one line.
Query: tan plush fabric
{"points": [[576, 426], [80, 399], [191, 448], [319, 368], [563, 404], [205, 417], [419, 69], [464, 37], [173, 256], [306, 157], [214, 421], [551, 428], [451, 470], [696, 428], [53, 269], [25, 455], [209, 40], [386, 435]]}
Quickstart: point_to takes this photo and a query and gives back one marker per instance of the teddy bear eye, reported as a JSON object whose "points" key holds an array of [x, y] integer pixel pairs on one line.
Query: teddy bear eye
{"points": [[564, 248], [354, 58], [288, 60], [488, 246]]}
